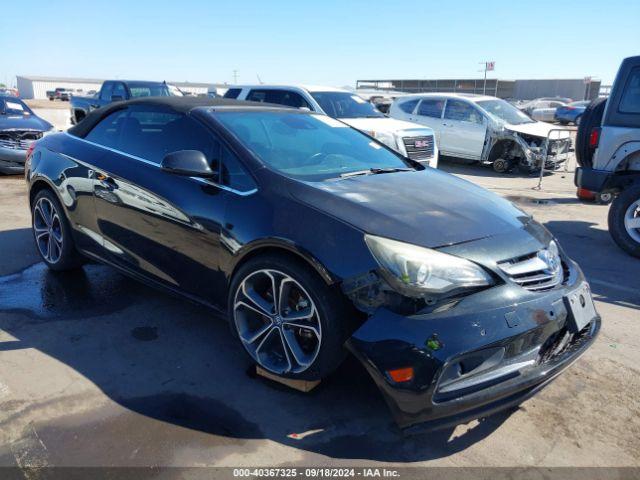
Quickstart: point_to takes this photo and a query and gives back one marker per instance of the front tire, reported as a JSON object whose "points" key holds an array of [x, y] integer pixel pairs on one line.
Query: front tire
{"points": [[501, 165], [624, 221], [52, 233], [287, 318]]}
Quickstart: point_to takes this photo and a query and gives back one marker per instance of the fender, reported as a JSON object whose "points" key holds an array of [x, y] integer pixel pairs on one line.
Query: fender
{"points": [[282, 244], [623, 155]]}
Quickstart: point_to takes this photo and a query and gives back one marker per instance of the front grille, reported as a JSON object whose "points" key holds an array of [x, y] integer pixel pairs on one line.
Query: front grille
{"points": [[533, 273], [419, 148], [18, 140]]}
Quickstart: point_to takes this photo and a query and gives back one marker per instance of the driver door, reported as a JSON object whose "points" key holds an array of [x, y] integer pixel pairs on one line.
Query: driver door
{"points": [[162, 226]]}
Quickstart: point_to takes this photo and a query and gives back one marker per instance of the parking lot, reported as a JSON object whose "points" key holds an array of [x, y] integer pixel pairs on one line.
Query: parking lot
{"points": [[97, 369]]}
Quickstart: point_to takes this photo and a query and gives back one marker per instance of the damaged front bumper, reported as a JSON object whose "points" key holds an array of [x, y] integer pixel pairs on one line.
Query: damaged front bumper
{"points": [[491, 351], [12, 159]]}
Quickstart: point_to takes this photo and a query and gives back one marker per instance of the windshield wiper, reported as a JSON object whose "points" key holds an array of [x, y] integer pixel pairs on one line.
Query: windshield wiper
{"points": [[374, 171]]}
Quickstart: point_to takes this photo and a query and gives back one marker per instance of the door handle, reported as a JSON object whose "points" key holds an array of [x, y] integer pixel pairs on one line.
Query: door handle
{"points": [[94, 106]]}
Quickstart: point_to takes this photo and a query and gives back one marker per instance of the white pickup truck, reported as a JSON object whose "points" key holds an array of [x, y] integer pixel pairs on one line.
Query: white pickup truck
{"points": [[414, 141]]}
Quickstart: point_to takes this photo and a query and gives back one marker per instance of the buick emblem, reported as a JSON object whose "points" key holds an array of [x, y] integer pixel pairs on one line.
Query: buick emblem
{"points": [[550, 259]]}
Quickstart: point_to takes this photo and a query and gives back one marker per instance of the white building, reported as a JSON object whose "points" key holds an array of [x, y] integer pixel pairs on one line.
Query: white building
{"points": [[31, 86]]}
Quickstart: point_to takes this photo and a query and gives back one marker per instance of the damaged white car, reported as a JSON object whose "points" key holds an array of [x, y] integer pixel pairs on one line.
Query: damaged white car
{"points": [[486, 129]]}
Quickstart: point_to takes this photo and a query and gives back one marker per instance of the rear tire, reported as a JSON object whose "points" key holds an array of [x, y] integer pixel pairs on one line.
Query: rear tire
{"points": [[624, 214], [52, 233], [308, 347]]}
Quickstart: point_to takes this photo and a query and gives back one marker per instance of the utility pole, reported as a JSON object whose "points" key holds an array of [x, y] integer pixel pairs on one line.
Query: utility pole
{"points": [[235, 76]]}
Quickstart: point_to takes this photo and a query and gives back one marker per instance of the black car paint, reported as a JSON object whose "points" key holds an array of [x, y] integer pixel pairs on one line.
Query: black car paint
{"points": [[189, 235]]}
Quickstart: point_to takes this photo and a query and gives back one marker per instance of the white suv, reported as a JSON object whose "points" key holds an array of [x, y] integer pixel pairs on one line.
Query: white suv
{"points": [[485, 129], [409, 139]]}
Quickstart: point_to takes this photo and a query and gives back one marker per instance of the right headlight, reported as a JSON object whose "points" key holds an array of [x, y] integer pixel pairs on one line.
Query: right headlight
{"points": [[422, 272]]}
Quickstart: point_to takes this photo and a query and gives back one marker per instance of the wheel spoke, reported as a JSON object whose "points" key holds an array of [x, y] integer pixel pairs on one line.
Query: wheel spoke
{"points": [[50, 244], [258, 333], [285, 349], [251, 307], [283, 295], [40, 233], [304, 326], [295, 316], [632, 222], [264, 339], [260, 303], [294, 347]]}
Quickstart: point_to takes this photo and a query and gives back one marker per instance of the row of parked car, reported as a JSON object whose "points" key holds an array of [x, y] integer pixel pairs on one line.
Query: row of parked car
{"points": [[561, 110]]}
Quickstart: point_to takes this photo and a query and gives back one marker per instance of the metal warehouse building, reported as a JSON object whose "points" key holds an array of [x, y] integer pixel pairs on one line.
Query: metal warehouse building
{"points": [[576, 89], [31, 86]]}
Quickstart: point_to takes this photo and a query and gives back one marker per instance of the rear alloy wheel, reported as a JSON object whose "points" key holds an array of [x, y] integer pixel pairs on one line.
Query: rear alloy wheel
{"points": [[624, 221], [52, 233], [287, 319]]}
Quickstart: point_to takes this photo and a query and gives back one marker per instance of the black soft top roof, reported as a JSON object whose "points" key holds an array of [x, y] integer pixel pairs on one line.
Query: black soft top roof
{"points": [[178, 104]]}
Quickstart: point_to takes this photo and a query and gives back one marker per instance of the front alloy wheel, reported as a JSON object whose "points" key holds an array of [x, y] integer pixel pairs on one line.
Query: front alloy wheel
{"points": [[277, 321], [47, 229]]}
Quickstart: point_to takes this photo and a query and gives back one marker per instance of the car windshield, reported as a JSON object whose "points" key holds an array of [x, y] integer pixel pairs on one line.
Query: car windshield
{"points": [[139, 89], [13, 106], [504, 111], [345, 105], [308, 147]]}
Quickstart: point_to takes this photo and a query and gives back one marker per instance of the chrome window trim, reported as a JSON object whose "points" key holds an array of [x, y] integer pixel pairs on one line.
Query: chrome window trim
{"points": [[153, 164]]}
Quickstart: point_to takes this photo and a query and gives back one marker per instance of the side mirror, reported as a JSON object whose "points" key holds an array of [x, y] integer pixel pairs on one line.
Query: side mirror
{"points": [[117, 98], [190, 163]]}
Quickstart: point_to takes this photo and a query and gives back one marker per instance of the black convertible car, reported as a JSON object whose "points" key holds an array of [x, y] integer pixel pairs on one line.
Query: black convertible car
{"points": [[316, 240]]}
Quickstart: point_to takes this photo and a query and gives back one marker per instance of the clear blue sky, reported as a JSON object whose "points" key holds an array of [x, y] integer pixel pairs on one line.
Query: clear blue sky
{"points": [[327, 42]]}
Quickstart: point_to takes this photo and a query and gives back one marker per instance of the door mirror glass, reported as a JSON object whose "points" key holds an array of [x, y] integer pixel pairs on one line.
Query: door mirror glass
{"points": [[191, 163]]}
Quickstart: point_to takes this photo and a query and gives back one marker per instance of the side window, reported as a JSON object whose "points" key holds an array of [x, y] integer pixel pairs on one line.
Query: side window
{"points": [[232, 93], [462, 112], [107, 132], [408, 107], [119, 90], [431, 108], [151, 134], [105, 91], [293, 99], [257, 96], [630, 101], [233, 173]]}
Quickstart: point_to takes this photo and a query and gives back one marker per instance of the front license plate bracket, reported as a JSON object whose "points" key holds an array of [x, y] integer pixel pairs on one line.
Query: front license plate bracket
{"points": [[580, 308]]}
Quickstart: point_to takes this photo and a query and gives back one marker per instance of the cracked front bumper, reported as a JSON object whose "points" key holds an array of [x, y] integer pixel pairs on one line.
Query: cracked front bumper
{"points": [[471, 362]]}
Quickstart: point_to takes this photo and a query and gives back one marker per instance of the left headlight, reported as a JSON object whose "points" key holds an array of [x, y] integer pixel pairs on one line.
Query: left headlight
{"points": [[385, 137], [422, 272]]}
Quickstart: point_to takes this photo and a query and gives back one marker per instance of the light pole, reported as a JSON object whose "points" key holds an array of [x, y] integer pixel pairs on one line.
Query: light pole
{"points": [[235, 76], [488, 66]]}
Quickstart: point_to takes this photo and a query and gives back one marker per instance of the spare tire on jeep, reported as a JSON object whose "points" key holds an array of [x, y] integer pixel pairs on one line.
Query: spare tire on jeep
{"points": [[592, 117]]}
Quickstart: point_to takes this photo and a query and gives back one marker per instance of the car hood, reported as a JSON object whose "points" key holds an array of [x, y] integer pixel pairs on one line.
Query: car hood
{"points": [[538, 129], [386, 124], [428, 207], [23, 122]]}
